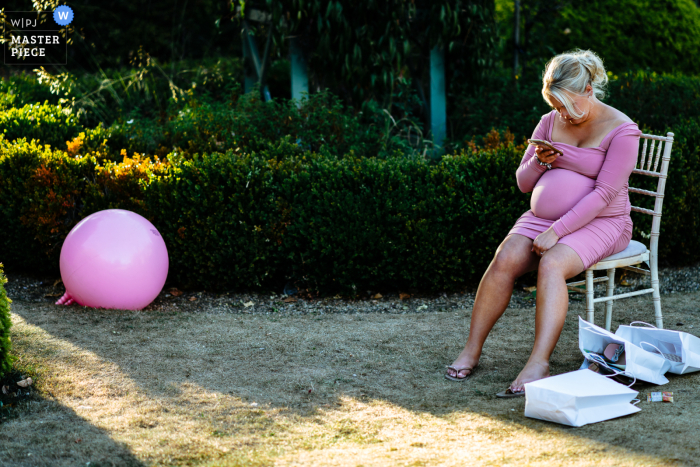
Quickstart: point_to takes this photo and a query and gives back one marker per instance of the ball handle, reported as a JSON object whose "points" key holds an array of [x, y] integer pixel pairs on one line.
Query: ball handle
{"points": [[65, 300]]}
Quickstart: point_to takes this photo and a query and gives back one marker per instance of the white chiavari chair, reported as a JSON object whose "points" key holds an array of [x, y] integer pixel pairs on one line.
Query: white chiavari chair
{"points": [[651, 155]]}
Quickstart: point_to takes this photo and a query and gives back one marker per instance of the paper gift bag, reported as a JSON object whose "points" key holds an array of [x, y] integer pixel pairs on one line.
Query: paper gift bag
{"points": [[681, 349], [578, 398], [640, 363]]}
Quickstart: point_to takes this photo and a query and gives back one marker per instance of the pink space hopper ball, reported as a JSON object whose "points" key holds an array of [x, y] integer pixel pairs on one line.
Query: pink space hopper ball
{"points": [[113, 259]]}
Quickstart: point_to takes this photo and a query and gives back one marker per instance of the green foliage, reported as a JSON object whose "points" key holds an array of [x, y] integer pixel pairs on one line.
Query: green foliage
{"points": [[143, 92], [657, 101], [42, 198], [50, 124], [319, 122], [25, 88], [666, 33], [246, 221], [681, 209], [218, 216], [657, 35], [360, 50], [501, 103], [359, 223], [5, 323]]}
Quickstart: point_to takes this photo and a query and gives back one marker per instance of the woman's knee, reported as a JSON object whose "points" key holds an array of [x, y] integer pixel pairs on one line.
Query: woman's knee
{"points": [[511, 257], [560, 262]]}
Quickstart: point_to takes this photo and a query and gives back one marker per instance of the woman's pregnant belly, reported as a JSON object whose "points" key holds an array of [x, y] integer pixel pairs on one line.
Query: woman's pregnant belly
{"points": [[557, 191]]}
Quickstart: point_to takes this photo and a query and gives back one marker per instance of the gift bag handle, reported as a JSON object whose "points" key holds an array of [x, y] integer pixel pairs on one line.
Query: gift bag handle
{"points": [[641, 344], [611, 336], [599, 360], [642, 322], [596, 331]]}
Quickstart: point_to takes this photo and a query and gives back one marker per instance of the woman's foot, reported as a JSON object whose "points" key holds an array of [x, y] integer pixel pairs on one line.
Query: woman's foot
{"points": [[532, 372], [464, 365]]}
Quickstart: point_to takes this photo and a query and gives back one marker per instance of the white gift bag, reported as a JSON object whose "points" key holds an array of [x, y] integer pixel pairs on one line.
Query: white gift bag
{"points": [[681, 349], [578, 398], [640, 363]]}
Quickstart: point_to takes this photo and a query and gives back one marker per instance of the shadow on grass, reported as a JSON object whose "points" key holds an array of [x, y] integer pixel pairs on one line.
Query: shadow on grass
{"points": [[38, 431], [239, 380]]}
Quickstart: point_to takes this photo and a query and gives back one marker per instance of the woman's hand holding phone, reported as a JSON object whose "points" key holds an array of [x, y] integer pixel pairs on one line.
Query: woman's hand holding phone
{"points": [[544, 151], [545, 154]]}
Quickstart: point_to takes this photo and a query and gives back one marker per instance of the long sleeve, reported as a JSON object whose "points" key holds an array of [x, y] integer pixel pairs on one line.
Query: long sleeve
{"points": [[620, 160], [529, 171]]}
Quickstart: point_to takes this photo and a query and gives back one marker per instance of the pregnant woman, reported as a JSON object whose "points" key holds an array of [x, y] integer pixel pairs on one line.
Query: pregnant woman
{"points": [[580, 210]]}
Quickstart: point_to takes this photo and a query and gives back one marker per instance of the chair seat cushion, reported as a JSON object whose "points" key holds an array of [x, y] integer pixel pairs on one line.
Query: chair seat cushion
{"points": [[633, 249]]}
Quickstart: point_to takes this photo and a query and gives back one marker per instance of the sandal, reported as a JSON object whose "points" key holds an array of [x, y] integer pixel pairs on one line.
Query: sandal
{"points": [[508, 393], [457, 378]]}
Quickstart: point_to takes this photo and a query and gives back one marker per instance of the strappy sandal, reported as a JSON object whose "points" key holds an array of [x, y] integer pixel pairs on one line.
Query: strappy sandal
{"points": [[508, 393], [457, 378]]}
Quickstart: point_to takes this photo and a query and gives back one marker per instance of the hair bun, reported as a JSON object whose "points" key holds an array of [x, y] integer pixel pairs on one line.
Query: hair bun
{"points": [[594, 65]]}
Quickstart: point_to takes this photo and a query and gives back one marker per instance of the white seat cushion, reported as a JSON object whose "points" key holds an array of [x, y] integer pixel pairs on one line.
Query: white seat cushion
{"points": [[633, 249]]}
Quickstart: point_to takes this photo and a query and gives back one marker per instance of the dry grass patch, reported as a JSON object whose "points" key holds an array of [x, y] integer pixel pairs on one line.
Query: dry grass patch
{"points": [[155, 388]]}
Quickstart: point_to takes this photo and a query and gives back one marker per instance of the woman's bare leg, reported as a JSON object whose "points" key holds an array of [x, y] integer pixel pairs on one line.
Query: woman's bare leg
{"points": [[513, 258], [556, 266]]}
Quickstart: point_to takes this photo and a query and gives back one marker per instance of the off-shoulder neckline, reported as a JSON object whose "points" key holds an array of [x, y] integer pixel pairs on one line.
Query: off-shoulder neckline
{"points": [[600, 146]]}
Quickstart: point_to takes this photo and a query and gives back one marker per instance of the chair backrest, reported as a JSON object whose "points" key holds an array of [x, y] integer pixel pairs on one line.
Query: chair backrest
{"points": [[648, 164]]}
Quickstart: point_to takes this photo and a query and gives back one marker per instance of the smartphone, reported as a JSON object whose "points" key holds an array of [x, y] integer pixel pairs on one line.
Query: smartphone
{"points": [[545, 144]]}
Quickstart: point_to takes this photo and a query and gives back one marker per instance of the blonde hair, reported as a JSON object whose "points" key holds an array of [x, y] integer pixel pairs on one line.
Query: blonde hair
{"points": [[569, 73]]}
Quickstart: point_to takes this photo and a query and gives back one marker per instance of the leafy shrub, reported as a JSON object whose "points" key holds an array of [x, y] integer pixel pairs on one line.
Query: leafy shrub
{"points": [[360, 222], [26, 88], [250, 220], [681, 209], [218, 215], [50, 124], [657, 101], [249, 125], [5, 323], [661, 36], [332, 224], [41, 191], [319, 123], [501, 103], [666, 33]]}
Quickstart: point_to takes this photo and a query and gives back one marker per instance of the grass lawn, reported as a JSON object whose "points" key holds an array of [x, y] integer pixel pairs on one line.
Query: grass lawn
{"points": [[217, 388]]}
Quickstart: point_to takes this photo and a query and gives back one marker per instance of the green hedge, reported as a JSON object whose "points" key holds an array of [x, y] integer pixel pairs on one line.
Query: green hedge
{"points": [[655, 101], [333, 224], [318, 123], [248, 221], [681, 209], [5, 323], [663, 35], [50, 124]]}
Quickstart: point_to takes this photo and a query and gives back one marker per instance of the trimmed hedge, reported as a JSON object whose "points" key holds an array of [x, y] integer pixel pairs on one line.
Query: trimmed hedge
{"points": [[256, 219], [5, 323], [655, 101], [50, 124], [678, 242], [333, 224]]}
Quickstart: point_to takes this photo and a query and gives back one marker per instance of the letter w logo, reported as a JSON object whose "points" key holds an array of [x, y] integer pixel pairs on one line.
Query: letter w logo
{"points": [[63, 15]]}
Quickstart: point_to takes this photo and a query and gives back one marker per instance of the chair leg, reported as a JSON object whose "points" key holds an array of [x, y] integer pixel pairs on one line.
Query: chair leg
{"points": [[656, 296], [609, 303], [590, 291]]}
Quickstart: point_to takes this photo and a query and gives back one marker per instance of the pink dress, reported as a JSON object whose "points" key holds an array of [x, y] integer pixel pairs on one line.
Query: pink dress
{"points": [[584, 196]]}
